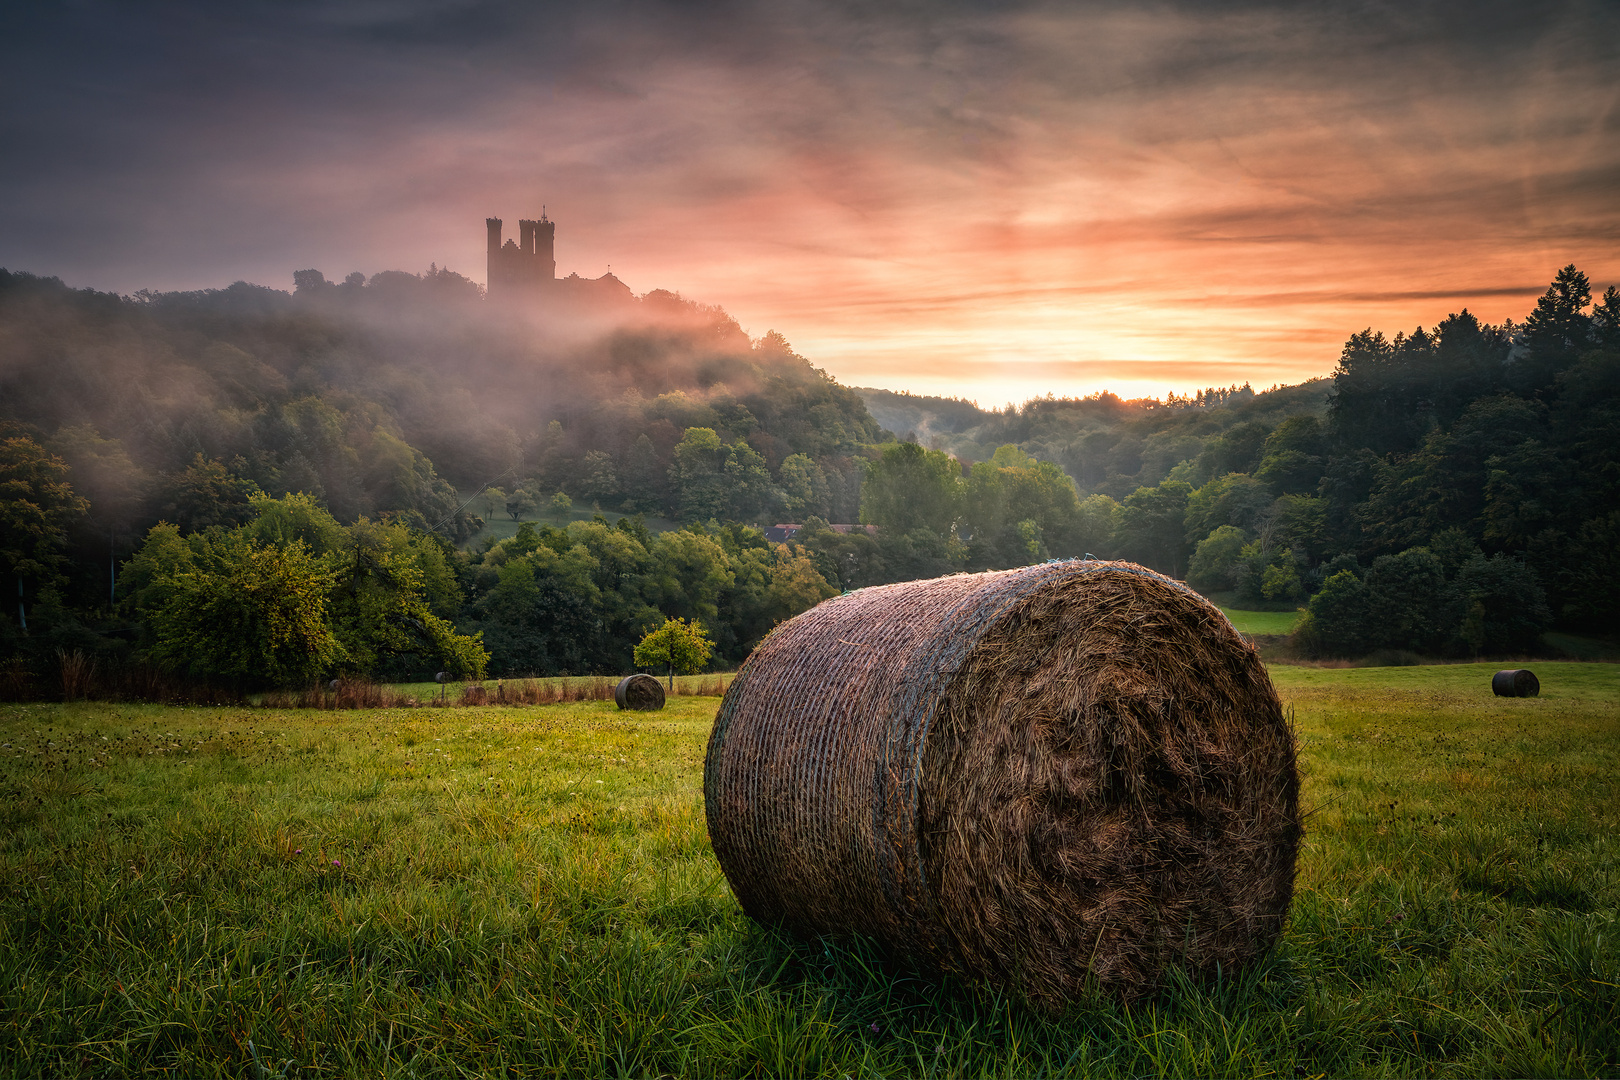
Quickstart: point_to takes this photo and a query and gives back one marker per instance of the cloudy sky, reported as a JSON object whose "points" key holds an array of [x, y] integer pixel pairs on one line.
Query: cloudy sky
{"points": [[991, 200]]}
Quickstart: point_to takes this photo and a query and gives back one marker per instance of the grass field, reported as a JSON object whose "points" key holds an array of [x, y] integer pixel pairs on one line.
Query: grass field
{"points": [[1262, 622], [530, 892], [1580, 647]]}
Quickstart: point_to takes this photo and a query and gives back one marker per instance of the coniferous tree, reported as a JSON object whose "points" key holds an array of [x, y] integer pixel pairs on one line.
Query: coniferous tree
{"points": [[1556, 332]]}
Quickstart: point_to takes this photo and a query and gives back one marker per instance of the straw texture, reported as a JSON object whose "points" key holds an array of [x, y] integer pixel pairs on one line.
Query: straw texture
{"points": [[1069, 774]]}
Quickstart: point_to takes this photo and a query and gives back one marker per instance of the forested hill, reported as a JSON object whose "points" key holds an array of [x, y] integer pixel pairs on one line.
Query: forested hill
{"points": [[1450, 491], [383, 397], [1108, 445], [358, 410], [1461, 482]]}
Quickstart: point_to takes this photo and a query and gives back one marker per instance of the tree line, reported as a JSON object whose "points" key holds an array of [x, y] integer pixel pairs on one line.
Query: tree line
{"points": [[377, 400], [1451, 490], [1470, 468]]}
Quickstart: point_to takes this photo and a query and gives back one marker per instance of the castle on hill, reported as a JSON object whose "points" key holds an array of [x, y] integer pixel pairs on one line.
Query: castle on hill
{"points": [[527, 268]]}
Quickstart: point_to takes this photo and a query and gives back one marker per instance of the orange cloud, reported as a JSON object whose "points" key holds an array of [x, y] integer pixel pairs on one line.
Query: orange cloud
{"points": [[997, 204]]}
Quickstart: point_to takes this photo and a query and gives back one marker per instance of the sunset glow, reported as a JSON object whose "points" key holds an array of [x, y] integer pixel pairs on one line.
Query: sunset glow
{"points": [[994, 205]]}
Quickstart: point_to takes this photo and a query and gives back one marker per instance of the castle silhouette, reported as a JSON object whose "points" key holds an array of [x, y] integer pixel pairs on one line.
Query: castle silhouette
{"points": [[527, 269]]}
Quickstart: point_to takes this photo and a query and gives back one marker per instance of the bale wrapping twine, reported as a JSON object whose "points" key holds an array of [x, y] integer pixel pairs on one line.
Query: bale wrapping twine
{"points": [[642, 692], [1074, 773]]}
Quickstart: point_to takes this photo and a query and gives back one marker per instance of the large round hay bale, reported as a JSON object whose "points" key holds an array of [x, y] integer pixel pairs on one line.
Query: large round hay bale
{"points": [[1071, 773], [642, 692], [1515, 682]]}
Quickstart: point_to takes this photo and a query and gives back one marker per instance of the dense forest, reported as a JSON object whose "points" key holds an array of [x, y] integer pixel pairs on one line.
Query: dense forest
{"points": [[1449, 491], [1464, 480], [383, 402]]}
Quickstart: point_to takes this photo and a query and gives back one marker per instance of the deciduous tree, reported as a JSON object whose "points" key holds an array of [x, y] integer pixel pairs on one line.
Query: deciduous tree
{"points": [[698, 475], [37, 503], [249, 613], [677, 644], [908, 487]]}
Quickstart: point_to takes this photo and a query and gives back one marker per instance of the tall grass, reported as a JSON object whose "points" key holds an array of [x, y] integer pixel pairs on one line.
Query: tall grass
{"points": [[364, 694], [75, 676], [78, 677], [78, 674], [529, 891]]}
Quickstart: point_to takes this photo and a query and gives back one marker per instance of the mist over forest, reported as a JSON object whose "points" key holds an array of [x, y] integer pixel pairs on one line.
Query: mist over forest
{"points": [[1450, 491]]}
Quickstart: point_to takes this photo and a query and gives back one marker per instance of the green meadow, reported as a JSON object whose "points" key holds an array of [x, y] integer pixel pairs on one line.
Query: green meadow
{"points": [[1262, 622], [494, 891]]}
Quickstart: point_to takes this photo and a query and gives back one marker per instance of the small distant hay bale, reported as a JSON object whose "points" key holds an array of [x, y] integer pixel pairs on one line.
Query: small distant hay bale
{"points": [[1515, 682], [641, 692], [1071, 774]]}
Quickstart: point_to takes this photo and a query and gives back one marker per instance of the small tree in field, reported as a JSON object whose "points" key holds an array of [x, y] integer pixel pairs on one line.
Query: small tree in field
{"points": [[560, 506], [521, 502], [679, 644], [494, 501]]}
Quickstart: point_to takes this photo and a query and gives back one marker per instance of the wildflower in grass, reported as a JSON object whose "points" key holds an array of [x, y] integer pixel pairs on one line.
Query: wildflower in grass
{"points": [[336, 863], [875, 1028], [300, 851]]}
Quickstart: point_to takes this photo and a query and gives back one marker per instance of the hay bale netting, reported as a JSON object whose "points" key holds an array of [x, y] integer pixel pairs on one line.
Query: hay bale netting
{"points": [[641, 692], [1069, 772], [1518, 682]]}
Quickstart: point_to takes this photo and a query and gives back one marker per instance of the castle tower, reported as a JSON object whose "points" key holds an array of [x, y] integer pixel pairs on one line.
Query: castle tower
{"points": [[530, 273], [545, 255], [492, 250], [526, 267]]}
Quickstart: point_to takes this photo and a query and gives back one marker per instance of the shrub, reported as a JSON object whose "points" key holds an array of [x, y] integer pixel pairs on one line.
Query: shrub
{"points": [[1409, 605], [1506, 608], [1281, 582], [1215, 558], [1337, 620]]}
